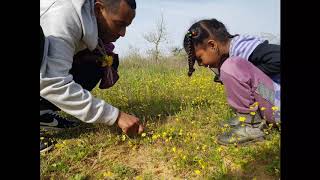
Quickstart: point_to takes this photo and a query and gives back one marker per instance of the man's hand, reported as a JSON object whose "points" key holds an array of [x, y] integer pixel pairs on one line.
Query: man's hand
{"points": [[129, 124]]}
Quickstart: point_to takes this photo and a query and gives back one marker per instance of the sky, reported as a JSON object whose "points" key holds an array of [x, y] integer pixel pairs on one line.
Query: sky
{"points": [[239, 16]]}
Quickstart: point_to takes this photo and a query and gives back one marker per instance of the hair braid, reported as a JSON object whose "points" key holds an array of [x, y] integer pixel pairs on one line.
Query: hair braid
{"points": [[191, 59]]}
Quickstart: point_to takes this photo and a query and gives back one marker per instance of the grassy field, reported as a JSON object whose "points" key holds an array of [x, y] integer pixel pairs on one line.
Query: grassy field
{"points": [[181, 117]]}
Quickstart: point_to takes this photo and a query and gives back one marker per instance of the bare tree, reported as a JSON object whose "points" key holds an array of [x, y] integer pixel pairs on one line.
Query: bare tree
{"points": [[157, 37], [178, 51]]}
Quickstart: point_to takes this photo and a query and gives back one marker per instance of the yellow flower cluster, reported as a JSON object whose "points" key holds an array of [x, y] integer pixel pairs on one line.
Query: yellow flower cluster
{"points": [[107, 61]]}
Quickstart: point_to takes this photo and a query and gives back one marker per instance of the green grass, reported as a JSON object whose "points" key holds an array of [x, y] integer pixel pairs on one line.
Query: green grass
{"points": [[181, 117]]}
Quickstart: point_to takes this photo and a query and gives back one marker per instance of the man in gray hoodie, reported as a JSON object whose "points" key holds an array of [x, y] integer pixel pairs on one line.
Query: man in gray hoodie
{"points": [[70, 27]]}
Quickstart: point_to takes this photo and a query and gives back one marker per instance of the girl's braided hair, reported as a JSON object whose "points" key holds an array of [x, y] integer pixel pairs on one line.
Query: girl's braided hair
{"points": [[198, 32]]}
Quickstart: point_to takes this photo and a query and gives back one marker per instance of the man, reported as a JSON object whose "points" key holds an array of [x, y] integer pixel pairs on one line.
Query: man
{"points": [[69, 27]]}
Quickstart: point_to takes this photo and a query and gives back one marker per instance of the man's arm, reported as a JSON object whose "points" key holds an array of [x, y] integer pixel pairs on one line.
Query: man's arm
{"points": [[62, 28]]}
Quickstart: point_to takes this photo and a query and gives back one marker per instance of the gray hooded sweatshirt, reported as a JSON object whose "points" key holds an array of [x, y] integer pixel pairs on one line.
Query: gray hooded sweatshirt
{"points": [[69, 27]]}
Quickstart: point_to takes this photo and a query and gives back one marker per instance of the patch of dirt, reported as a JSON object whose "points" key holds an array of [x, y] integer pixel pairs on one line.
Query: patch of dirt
{"points": [[257, 172], [143, 160]]}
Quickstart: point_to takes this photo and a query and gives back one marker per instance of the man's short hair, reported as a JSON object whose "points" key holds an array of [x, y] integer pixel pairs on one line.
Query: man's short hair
{"points": [[113, 5]]}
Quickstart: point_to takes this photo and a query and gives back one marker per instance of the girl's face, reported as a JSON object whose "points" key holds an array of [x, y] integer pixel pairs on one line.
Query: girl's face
{"points": [[207, 54]]}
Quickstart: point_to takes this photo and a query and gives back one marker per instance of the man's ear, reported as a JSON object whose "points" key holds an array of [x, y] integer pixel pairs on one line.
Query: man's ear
{"points": [[212, 44], [98, 7]]}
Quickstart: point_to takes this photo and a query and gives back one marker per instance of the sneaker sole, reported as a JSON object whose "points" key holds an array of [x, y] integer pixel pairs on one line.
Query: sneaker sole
{"points": [[52, 128], [47, 149], [223, 125], [244, 143], [57, 128]]}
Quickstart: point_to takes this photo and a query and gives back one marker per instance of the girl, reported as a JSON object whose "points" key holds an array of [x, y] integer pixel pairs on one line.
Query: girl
{"points": [[249, 68]]}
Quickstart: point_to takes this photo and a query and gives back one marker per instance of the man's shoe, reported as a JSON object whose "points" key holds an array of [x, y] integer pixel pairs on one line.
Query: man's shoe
{"points": [[51, 120]]}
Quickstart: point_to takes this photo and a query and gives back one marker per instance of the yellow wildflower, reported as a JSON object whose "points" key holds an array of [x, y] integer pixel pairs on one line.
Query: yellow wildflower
{"points": [[107, 174], [197, 171], [107, 61], [253, 113], [204, 147], [123, 137], [164, 134], [242, 119], [155, 136], [275, 108], [143, 135], [263, 108], [174, 149], [59, 145], [184, 157], [180, 132]]}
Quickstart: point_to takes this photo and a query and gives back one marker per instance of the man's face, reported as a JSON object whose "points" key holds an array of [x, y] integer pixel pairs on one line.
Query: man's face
{"points": [[112, 25]]}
